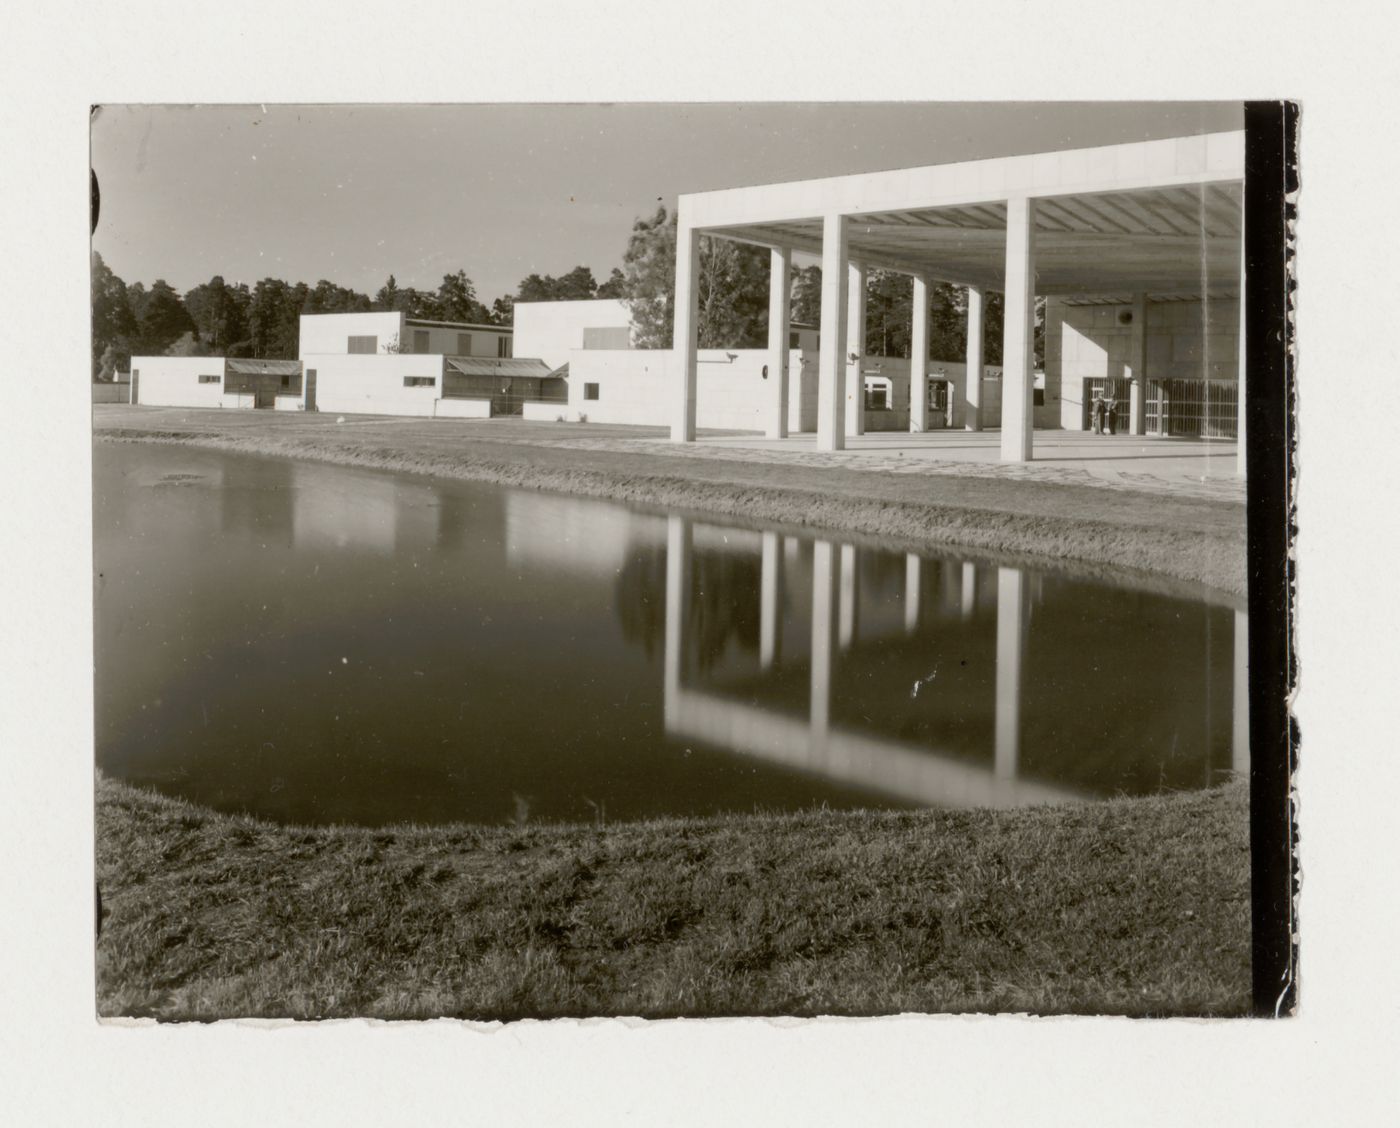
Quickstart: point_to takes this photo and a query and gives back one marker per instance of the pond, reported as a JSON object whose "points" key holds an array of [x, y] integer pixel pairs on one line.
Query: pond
{"points": [[320, 644]]}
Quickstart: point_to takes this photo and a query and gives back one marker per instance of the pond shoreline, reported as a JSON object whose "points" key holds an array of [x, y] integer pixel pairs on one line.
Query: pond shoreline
{"points": [[1133, 906], [1138, 540]]}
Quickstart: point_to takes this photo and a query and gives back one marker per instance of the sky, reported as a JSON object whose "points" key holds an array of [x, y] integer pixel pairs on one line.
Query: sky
{"points": [[355, 193]]}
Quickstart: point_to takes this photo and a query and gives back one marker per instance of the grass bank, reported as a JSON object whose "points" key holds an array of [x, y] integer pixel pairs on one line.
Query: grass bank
{"points": [[1131, 907], [1190, 539]]}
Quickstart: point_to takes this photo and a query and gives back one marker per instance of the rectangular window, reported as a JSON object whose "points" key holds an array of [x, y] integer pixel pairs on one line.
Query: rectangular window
{"points": [[210, 379], [503, 346], [419, 381], [793, 341], [590, 391], [420, 341], [464, 344], [287, 380], [363, 345], [1040, 397]]}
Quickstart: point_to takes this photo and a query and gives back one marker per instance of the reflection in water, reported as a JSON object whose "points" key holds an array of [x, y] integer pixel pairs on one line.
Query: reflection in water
{"points": [[912, 771], [319, 644]]}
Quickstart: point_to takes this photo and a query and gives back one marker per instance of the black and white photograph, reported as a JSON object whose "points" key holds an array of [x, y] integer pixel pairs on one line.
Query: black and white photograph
{"points": [[698, 564], [674, 560]]}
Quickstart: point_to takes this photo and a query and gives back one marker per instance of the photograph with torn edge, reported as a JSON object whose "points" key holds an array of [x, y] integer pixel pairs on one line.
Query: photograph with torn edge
{"points": [[689, 560]]}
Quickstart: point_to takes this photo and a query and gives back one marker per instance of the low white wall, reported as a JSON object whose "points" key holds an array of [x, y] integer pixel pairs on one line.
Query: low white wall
{"points": [[373, 385], [282, 403], [639, 386], [173, 381], [463, 409], [551, 330], [545, 412]]}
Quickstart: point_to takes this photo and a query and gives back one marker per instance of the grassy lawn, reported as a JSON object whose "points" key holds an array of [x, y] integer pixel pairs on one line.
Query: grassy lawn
{"points": [[1136, 906]]}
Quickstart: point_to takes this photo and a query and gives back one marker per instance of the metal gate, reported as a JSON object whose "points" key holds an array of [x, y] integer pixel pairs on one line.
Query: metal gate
{"points": [[1203, 409]]}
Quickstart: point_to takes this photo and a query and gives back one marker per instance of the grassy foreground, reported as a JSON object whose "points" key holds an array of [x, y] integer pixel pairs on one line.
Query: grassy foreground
{"points": [[1136, 906]]}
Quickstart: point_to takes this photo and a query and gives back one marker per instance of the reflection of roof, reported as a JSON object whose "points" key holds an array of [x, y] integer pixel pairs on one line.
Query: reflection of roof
{"points": [[272, 367], [491, 366]]}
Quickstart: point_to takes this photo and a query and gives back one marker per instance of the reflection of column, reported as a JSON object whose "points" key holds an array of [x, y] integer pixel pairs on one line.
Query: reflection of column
{"points": [[770, 601], [913, 567], [823, 619], [850, 594], [1011, 614], [969, 590], [678, 547], [1239, 759]]}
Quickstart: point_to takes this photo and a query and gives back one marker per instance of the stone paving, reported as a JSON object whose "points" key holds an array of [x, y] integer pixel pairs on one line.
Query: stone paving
{"points": [[1203, 470]]}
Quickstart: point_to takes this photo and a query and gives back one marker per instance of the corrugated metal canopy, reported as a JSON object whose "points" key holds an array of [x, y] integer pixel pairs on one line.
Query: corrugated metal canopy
{"points": [[562, 371], [265, 367], [491, 366]]}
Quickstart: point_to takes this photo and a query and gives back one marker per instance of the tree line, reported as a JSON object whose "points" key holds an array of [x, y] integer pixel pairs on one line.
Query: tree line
{"points": [[219, 319]]}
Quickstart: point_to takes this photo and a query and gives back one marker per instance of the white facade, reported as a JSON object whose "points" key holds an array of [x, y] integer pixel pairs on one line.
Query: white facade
{"points": [[551, 330], [376, 385], [323, 334], [199, 381]]}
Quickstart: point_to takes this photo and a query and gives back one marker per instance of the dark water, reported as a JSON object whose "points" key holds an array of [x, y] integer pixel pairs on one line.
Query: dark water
{"points": [[320, 644]]}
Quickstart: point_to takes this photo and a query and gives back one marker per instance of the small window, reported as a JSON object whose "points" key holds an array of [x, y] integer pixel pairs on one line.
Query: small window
{"points": [[363, 345], [419, 381], [794, 340], [210, 379], [1040, 397], [287, 380], [464, 344], [503, 346], [590, 391], [420, 341]]}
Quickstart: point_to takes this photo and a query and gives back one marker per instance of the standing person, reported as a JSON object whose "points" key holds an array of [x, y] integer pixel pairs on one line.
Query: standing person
{"points": [[1096, 411], [1111, 410]]}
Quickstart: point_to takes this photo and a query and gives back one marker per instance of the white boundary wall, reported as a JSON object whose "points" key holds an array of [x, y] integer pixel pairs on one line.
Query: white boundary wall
{"points": [[364, 384], [639, 385], [173, 381]]}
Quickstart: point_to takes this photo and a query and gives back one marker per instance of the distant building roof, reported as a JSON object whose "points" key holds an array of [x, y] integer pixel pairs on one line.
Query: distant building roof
{"points": [[505, 366], [245, 367], [458, 325]]}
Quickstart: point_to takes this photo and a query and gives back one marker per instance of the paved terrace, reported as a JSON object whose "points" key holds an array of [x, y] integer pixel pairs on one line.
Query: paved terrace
{"points": [[1180, 468]]}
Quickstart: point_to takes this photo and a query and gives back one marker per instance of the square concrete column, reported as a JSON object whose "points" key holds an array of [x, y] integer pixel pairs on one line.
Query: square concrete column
{"points": [[1240, 459], [685, 331], [855, 346], [831, 357], [918, 358], [972, 392], [779, 305], [1137, 368], [1018, 339]]}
